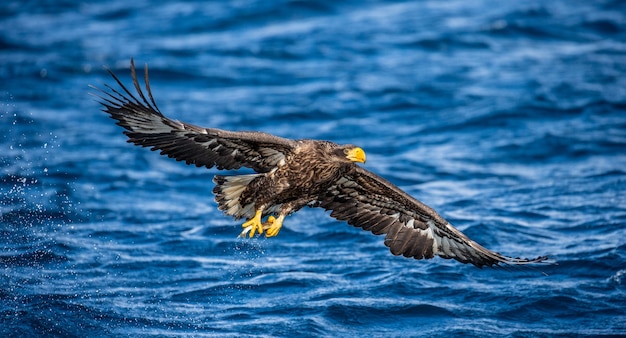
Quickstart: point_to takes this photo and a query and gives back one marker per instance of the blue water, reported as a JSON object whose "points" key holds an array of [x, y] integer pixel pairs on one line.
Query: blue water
{"points": [[508, 117]]}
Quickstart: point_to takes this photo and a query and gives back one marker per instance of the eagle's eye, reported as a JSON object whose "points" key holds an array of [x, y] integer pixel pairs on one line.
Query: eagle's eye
{"points": [[346, 151]]}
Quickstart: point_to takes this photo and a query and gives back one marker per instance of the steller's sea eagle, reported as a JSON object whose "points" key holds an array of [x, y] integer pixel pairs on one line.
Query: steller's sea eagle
{"points": [[291, 174]]}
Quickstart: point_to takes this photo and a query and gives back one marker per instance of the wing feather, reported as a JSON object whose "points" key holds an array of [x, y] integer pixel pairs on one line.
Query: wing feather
{"points": [[146, 126], [412, 229]]}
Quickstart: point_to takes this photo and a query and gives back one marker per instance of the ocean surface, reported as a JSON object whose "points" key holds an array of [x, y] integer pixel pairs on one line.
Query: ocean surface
{"points": [[507, 117]]}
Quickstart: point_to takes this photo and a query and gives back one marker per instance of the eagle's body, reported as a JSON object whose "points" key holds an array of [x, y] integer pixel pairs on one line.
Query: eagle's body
{"points": [[284, 189], [291, 174]]}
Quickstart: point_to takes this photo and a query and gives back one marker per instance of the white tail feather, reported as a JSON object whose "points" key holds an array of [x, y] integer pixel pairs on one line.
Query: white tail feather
{"points": [[228, 190]]}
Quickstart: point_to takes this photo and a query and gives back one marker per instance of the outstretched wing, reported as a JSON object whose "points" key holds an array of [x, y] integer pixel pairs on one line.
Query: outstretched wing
{"points": [[412, 229], [146, 126]]}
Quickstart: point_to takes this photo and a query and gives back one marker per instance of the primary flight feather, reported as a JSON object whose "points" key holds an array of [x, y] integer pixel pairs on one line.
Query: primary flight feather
{"points": [[291, 174]]}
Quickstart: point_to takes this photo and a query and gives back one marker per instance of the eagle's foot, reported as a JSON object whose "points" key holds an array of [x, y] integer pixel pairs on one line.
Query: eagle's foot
{"points": [[253, 225], [274, 225]]}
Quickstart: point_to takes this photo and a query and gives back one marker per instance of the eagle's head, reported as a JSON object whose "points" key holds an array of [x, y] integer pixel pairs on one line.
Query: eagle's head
{"points": [[351, 153]]}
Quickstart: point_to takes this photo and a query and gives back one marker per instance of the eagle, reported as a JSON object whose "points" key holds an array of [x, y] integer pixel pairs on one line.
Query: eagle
{"points": [[291, 174]]}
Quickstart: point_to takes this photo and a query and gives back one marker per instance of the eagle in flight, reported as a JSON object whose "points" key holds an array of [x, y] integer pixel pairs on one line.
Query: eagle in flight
{"points": [[290, 174]]}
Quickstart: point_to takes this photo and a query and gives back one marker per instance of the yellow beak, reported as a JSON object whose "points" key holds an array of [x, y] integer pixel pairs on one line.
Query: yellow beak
{"points": [[356, 155]]}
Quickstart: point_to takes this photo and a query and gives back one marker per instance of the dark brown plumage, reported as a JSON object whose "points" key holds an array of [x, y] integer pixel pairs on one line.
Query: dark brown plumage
{"points": [[291, 174]]}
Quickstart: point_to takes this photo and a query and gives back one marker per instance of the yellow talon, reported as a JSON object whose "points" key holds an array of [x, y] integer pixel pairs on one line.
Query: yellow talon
{"points": [[254, 224], [272, 225], [275, 225]]}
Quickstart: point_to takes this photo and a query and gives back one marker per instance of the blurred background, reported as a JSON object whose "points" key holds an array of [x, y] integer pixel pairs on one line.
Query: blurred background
{"points": [[508, 118]]}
